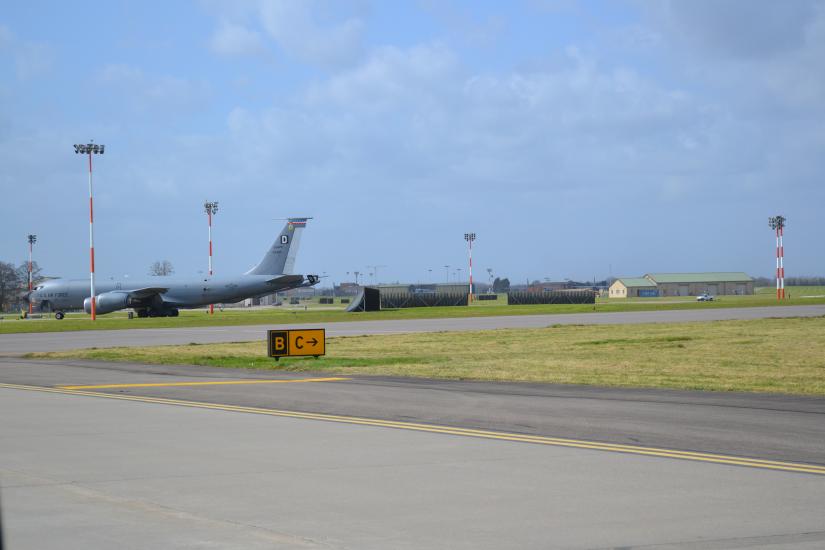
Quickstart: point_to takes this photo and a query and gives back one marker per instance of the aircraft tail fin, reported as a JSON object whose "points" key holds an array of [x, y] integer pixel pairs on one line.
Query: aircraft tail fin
{"points": [[280, 258]]}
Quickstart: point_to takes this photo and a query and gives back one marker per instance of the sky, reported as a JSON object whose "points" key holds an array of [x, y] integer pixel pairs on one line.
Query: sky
{"points": [[576, 139]]}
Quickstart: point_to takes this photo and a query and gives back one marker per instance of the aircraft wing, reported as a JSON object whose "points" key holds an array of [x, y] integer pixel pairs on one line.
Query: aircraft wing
{"points": [[143, 293]]}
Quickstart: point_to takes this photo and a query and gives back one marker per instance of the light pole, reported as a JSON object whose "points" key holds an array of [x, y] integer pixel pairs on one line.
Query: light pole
{"points": [[91, 149], [32, 240], [211, 208], [470, 237], [447, 271], [777, 223], [356, 273], [375, 272]]}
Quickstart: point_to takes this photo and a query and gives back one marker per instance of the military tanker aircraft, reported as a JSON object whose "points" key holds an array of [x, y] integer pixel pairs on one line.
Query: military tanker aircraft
{"points": [[164, 296]]}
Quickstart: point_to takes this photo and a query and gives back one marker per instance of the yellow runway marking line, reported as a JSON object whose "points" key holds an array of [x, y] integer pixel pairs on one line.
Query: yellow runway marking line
{"points": [[467, 432], [214, 383]]}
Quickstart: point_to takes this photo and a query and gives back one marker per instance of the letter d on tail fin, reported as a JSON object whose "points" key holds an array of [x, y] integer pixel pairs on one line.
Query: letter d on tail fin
{"points": [[280, 258]]}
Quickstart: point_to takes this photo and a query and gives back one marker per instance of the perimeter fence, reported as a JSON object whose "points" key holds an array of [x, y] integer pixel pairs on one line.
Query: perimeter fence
{"points": [[399, 300], [552, 297]]}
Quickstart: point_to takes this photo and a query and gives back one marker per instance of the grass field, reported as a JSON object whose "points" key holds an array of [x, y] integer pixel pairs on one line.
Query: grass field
{"points": [[314, 313], [766, 355]]}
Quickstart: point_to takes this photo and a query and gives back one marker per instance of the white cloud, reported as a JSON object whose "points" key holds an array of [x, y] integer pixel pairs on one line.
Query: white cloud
{"points": [[146, 90], [31, 59], [6, 37], [233, 39], [34, 59], [120, 73], [300, 28], [391, 77], [415, 116], [465, 24]]}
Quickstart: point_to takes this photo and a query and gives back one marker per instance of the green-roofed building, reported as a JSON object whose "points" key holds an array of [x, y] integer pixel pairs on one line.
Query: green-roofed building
{"points": [[694, 284], [682, 284]]}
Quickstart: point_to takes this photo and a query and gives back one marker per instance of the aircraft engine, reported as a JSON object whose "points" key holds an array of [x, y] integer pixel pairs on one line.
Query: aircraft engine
{"points": [[107, 302]]}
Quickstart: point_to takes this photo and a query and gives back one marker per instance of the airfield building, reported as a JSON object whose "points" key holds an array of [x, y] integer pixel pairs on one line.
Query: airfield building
{"points": [[632, 287], [682, 284]]}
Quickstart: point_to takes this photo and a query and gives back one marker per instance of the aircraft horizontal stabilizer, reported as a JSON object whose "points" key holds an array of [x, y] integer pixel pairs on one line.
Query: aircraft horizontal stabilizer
{"points": [[287, 280]]}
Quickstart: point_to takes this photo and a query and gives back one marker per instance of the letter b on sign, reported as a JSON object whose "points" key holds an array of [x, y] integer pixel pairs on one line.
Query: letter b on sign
{"points": [[278, 343]]}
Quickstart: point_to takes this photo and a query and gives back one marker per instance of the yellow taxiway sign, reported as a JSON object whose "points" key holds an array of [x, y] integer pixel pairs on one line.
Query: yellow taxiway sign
{"points": [[297, 343]]}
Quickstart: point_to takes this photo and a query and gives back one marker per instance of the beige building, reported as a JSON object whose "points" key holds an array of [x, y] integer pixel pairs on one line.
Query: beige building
{"points": [[629, 287], [682, 284]]}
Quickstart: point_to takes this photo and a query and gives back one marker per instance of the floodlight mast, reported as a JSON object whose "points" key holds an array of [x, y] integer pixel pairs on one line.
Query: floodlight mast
{"points": [[777, 223], [90, 149], [32, 240], [211, 208], [375, 272], [470, 237]]}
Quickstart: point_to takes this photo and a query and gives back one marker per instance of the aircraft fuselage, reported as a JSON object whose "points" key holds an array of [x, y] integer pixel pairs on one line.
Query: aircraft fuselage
{"points": [[58, 294]]}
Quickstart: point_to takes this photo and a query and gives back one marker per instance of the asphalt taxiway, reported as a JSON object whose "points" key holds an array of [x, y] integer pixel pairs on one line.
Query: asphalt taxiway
{"points": [[54, 341], [777, 427], [94, 455]]}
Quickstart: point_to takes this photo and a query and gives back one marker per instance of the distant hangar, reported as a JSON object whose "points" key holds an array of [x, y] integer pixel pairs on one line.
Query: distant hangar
{"points": [[681, 284]]}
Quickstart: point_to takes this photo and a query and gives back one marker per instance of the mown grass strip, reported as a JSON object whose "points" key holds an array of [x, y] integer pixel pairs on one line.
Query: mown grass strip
{"points": [[765, 355]]}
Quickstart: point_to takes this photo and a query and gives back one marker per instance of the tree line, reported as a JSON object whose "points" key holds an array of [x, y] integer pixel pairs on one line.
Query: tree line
{"points": [[14, 282], [791, 281]]}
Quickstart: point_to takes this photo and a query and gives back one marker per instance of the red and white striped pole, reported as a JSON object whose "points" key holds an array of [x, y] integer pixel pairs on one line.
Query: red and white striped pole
{"points": [[91, 148], [32, 240], [778, 223], [91, 239], [778, 291], [211, 208], [781, 251]]}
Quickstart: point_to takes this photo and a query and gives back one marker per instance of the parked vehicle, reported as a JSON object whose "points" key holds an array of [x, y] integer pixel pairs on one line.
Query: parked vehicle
{"points": [[704, 298]]}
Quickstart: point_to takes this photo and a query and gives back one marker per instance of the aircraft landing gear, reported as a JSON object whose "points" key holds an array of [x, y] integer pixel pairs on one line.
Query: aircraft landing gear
{"points": [[173, 312], [59, 315]]}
